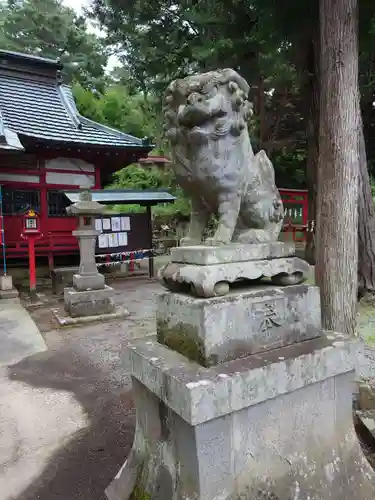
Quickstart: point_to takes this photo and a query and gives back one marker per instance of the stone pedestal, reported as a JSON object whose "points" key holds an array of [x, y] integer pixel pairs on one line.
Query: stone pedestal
{"points": [[83, 282], [209, 271], [243, 396], [88, 277], [219, 329], [89, 295], [89, 302], [273, 425]]}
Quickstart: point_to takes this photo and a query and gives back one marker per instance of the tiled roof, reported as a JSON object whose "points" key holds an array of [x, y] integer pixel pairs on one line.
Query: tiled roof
{"points": [[38, 106], [9, 140], [29, 58]]}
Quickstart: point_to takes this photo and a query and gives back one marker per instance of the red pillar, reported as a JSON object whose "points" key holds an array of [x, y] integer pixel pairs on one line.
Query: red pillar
{"points": [[131, 262], [305, 209], [32, 266]]}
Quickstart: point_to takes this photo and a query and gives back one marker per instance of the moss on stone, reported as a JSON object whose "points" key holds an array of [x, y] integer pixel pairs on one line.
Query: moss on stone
{"points": [[183, 339], [140, 494]]}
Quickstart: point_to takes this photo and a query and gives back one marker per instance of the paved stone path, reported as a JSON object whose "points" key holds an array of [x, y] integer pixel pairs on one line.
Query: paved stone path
{"points": [[19, 336]]}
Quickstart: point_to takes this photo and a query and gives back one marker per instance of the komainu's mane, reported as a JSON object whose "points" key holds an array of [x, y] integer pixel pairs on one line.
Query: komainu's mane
{"points": [[179, 90]]}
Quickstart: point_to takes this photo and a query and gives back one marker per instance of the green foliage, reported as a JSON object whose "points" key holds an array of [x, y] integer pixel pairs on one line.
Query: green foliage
{"points": [[289, 169], [136, 177], [118, 108], [49, 29], [140, 494], [141, 178]]}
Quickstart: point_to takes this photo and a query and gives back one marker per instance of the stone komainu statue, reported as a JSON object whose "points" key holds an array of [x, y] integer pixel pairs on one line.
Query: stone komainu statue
{"points": [[206, 117]]}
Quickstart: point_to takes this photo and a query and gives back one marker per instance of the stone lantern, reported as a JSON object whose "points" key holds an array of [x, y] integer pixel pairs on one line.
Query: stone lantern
{"points": [[89, 295]]}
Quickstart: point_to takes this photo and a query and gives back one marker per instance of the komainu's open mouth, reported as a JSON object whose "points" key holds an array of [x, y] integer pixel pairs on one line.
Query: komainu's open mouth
{"points": [[193, 115]]}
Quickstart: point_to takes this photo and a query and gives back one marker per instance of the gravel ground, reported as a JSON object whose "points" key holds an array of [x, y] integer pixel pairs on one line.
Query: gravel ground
{"points": [[366, 330]]}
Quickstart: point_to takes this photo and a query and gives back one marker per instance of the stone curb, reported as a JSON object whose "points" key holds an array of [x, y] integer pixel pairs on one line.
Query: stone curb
{"points": [[67, 321]]}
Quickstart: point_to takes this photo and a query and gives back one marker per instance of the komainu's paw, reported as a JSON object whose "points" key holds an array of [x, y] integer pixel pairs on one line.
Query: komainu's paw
{"points": [[253, 236], [188, 242], [214, 242]]}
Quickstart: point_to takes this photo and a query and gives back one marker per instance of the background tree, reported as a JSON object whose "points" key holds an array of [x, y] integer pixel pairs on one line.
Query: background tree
{"points": [[119, 108], [157, 41], [366, 212], [50, 29]]}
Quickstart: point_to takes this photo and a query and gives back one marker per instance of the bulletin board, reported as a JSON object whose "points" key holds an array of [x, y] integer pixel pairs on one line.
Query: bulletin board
{"points": [[123, 233]]}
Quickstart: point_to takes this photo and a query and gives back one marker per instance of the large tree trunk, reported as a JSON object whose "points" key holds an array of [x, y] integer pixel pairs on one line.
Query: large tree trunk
{"points": [[366, 225], [338, 167]]}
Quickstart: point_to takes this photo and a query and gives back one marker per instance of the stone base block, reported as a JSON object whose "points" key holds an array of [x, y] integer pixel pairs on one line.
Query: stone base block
{"points": [[366, 397], [216, 279], [62, 277], [214, 330], [89, 303], [90, 282], [367, 418], [203, 255], [9, 294], [276, 425], [6, 283]]}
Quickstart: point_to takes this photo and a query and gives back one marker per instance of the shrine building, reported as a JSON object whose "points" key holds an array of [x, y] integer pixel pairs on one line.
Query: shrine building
{"points": [[46, 148]]}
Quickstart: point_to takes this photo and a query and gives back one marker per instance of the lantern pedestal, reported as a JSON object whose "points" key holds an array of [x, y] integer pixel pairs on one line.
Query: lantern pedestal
{"points": [[89, 302], [89, 296]]}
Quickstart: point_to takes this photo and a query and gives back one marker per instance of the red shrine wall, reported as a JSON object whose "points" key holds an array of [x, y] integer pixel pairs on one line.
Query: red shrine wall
{"points": [[31, 182]]}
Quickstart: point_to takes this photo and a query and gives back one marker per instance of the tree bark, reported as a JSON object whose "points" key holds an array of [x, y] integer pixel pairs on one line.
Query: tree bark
{"points": [[338, 166], [366, 225]]}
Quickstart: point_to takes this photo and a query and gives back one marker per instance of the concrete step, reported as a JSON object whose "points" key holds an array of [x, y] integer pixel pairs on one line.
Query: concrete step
{"points": [[19, 335]]}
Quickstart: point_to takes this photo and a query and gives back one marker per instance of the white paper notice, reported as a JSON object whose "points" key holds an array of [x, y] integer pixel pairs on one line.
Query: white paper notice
{"points": [[112, 240], [106, 224], [116, 223], [122, 239], [103, 241], [125, 223], [98, 225]]}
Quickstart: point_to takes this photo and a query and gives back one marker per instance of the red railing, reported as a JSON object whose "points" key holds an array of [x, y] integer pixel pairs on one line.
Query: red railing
{"points": [[57, 237], [296, 213]]}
